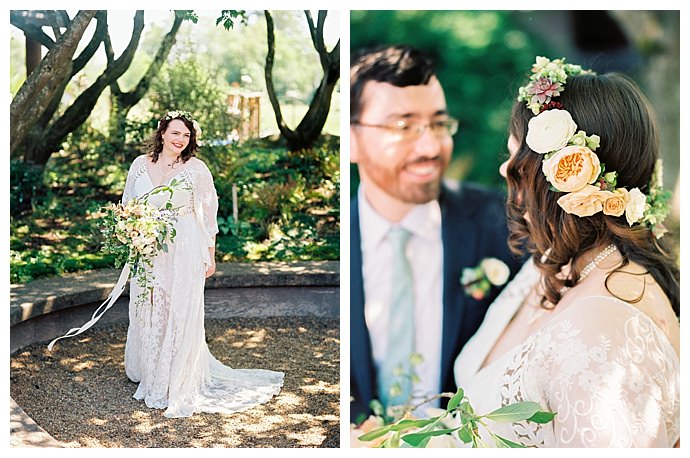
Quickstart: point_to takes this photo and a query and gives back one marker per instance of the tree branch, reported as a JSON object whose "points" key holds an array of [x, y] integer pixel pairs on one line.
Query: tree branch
{"points": [[80, 110], [87, 53], [20, 20], [131, 98], [38, 89]]}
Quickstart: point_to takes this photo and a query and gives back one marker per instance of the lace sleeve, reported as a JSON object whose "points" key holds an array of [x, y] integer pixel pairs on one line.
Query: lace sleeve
{"points": [[206, 199], [611, 375], [128, 194]]}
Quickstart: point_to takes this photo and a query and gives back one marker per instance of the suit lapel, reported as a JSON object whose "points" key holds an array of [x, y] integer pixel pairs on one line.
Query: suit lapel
{"points": [[459, 244], [362, 366]]}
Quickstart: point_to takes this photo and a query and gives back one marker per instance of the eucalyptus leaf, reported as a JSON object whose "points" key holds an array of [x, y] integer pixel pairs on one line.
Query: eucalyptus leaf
{"points": [[375, 434], [502, 442], [406, 424], [415, 439], [393, 441], [455, 400], [465, 406], [542, 417], [465, 435], [514, 412]]}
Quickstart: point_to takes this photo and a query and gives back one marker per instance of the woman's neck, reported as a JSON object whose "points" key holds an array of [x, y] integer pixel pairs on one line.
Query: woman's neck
{"points": [[590, 256], [168, 157]]}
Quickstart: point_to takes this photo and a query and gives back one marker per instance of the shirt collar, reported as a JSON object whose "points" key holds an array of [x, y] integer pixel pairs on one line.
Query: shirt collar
{"points": [[424, 221]]}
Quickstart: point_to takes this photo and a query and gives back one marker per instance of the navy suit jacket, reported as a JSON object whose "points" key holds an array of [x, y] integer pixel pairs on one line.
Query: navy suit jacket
{"points": [[473, 226]]}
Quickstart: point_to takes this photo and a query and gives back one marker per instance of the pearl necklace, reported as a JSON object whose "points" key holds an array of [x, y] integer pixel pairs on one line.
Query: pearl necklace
{"points": [[605, 253], [536, 311]]}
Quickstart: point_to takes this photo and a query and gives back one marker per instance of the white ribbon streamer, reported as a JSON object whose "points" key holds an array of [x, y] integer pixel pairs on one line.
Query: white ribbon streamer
{"points": [[112, 297]]}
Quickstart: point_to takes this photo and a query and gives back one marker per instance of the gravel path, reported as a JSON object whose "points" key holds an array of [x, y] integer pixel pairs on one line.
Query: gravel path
{"points": [[80, 394]]}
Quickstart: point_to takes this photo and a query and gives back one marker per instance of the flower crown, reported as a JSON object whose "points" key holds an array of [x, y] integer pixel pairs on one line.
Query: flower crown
{"points": [[570, 164], [182, 114]]}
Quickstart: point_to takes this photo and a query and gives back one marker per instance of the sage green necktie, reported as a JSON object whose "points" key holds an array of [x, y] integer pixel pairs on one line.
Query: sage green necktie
{"points": [[394, 381]]}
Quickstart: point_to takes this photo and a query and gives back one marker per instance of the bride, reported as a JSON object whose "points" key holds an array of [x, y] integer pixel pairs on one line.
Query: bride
{"points": [[589, 327], [166, 350]]}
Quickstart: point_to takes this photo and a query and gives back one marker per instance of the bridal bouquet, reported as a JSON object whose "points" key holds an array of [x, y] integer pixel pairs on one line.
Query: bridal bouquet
{"points": [[136, 232], [454, 426]]}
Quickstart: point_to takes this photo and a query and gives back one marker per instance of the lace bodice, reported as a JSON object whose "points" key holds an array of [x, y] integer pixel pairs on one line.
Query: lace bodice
{"points": [[605, 368], [198, 197]]}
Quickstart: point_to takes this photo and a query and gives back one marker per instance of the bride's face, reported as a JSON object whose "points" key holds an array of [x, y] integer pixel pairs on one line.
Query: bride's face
{"points": [[513, 146], [176, 136]]}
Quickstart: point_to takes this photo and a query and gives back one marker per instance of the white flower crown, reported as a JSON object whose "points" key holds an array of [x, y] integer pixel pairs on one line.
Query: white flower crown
{"points": [[570, 164], [182, 114]]}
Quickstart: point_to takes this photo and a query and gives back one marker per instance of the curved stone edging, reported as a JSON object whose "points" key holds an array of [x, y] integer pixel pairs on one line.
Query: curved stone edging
{"points": [[46, 296], [49, 295]]}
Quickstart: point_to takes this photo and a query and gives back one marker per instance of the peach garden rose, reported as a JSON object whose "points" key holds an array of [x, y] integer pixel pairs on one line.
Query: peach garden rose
{"points": [[585, 202], [616, 202], [572, 168]]}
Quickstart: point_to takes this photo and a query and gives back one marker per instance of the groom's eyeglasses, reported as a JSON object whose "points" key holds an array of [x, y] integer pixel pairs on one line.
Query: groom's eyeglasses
{"points": [[408, 131]]}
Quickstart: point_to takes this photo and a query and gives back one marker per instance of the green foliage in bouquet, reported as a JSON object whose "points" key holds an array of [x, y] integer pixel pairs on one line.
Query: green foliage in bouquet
{"points": [[417, 433], [459, 420], [137, 231]]}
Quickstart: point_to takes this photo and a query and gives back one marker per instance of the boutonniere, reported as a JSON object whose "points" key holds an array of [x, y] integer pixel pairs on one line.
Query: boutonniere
{"points": [[478, 280]]}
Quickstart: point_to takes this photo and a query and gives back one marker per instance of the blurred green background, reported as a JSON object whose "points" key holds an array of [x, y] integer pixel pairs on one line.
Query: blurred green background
{"points": [[483, 57]]}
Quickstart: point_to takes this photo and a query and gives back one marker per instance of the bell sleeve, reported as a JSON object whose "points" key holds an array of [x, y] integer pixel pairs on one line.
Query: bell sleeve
{"points": [[206, 203], [128, 193]]}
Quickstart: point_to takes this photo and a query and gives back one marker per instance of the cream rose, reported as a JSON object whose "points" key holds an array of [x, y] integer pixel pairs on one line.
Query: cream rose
{"points": [[615, 202], [495, 270], [585, 202], [572, 168], [637, 204], [550, 131]]}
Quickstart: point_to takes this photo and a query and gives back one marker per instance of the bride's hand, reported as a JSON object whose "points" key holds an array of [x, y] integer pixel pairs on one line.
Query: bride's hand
{"points": [[211, 269]]}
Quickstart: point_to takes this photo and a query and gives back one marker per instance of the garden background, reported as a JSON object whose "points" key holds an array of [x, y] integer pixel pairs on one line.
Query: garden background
{"points": [[264, 87], [483, 57]]}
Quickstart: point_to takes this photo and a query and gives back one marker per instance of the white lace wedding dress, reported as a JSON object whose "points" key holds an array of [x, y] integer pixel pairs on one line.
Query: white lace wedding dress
{"points": [[607, 369], [166, 350]]}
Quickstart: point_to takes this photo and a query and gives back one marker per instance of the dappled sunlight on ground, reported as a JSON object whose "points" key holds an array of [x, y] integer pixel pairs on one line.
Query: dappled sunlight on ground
{"points": [[81, 396]]}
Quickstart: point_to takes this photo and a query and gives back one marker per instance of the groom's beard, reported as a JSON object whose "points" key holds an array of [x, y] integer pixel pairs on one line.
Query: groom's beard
{"points": [[414, 182]]}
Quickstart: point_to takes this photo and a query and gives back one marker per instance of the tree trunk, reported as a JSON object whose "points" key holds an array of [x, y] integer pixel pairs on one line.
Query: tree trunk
{"points": [[268, 72], [79, 111], [122, 102], [36, 133], [33, 54], [310, 127], [40, 86]]}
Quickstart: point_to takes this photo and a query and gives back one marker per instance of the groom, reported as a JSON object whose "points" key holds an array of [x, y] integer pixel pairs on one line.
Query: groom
{"points": [[401, 141]]}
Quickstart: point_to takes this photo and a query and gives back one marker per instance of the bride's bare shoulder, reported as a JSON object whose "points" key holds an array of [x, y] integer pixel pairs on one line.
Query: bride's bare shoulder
{"points": [[636, 287]]}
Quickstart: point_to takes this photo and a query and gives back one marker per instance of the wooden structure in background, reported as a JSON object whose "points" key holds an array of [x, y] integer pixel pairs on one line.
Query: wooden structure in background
{"points": [[247, 106]]}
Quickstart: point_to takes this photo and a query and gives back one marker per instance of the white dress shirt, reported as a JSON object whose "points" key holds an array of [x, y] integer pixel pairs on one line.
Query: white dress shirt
{"points": [[425, 252]]}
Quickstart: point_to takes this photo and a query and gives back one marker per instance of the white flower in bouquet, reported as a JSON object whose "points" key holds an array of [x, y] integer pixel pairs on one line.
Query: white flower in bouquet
{"points": [[137, 232]]}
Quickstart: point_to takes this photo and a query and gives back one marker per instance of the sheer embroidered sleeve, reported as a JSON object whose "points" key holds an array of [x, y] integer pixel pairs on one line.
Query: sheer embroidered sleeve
{"points": [[134, 171], [611, 374], [206, 199]]}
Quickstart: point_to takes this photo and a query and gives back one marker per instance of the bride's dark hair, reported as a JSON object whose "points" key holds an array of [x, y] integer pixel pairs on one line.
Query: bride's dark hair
{"points": [[612, 107], [155, 144]]}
